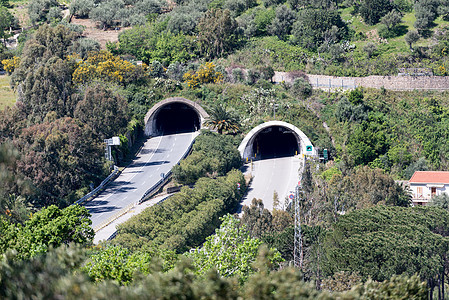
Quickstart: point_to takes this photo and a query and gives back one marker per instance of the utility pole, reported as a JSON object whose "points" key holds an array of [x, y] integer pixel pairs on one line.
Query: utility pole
{"points": [[298, 254]]}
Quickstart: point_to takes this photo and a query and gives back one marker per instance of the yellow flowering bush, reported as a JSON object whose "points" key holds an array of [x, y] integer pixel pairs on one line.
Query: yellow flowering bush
{"points": [[10, 64], [206, 74], [103, 65]]}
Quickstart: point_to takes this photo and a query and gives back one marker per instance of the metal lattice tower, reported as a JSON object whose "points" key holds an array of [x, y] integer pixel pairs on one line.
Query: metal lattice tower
{"points": [[298, 253], [299, 196]]}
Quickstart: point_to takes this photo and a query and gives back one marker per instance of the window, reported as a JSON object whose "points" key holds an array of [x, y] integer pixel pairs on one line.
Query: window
{"points": [[433, 191], [419, 192]]}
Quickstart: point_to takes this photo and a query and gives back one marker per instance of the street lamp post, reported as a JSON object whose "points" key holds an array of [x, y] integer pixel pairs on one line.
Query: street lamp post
{"points": [[275, 106]]}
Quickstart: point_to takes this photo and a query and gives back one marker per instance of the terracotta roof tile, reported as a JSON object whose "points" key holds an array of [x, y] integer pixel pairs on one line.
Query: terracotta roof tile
{"points": [[430, 177]]}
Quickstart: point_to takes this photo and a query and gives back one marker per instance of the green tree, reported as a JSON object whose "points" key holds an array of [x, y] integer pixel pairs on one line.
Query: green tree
{"points": [[231, 251], [103, 111], [341, 281], [391, 19], [312, 24], [167, 48], [256, 219], [367, 187], [370, 139], [38, 277], [50, 227], [217, 33], [81, 8], [426, 12], [58, 158], [14, 207], [373, 10], [52, 276], [44, 74], [384, 241], [282, 23], [6, 21], [83, 46], [117, 263], [106, 12], [301, 88], [370, 48], [420, 165], [38, 10], [441, 201], [411, 37], [48, 88], [223, 120]]}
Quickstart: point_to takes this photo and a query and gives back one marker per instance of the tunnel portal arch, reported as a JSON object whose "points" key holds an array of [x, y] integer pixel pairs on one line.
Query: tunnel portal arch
{"points": [[305, 146], [151, 118]]}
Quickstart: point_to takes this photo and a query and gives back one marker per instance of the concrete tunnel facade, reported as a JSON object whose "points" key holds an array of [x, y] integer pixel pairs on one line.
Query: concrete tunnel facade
{"points": [[304, 145], [159, 115]]}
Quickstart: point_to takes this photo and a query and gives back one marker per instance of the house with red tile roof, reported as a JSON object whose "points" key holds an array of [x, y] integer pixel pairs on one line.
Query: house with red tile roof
{"points": [[426, 184]]}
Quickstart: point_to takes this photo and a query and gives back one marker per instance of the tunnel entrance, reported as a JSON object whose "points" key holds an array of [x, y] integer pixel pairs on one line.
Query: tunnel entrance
{"points": [[274, 142], [177, 118]]}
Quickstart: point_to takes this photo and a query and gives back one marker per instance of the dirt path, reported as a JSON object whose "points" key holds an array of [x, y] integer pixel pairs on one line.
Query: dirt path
{"points": [[102, 36]]}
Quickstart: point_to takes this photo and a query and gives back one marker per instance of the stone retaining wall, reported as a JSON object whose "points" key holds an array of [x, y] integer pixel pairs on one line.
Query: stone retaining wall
{"points": [[398, 83], [402, 83]]}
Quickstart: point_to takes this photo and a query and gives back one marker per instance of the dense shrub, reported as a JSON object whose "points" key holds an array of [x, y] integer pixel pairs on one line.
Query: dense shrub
{"points": [[212, 155], [184, 220]]}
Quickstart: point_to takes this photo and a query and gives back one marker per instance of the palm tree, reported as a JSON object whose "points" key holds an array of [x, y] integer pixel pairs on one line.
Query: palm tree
{"points": [[224, 121]]}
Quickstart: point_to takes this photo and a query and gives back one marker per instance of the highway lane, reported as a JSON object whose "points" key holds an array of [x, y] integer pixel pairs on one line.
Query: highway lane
{"points": [[269, 175], [157, 156]]}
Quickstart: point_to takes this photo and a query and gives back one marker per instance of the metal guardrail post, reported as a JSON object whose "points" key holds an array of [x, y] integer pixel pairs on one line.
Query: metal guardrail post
{"points": [[150, 191], [98, 188]]}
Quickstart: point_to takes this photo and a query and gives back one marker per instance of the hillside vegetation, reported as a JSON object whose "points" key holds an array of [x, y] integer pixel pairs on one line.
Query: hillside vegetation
{"points": [[361, 238]]}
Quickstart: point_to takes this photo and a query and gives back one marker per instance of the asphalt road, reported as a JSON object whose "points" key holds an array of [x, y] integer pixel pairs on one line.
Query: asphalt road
{"points": [[269, 175], [158, 155], [109, 230]]}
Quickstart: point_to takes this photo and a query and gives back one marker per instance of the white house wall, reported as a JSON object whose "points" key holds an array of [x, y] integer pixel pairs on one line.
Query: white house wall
{"points": [[426, 188]]}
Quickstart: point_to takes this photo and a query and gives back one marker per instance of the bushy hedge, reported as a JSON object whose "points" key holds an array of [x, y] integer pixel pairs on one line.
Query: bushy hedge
{"points": [[213, 154], [184, 220]]}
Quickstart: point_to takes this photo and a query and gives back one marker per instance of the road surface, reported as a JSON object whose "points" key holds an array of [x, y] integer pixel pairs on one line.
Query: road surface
{"points": [[157, 156], [109, 230], [269, 175]]}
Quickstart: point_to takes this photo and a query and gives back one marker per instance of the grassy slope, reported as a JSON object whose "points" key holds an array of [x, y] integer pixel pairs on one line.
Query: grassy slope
{"points": [[7, 95], [283, 56]]}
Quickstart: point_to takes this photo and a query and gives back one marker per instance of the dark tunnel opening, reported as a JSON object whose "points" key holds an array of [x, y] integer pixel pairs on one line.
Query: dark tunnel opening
{"points": [[177, 118], [275, 141]]}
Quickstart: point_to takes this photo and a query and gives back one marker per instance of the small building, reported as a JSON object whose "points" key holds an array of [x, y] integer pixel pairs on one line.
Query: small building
{"points": [[426, 184]]}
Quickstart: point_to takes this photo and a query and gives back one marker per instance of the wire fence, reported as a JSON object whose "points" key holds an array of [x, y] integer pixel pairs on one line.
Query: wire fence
{"points": [[332, 83]]}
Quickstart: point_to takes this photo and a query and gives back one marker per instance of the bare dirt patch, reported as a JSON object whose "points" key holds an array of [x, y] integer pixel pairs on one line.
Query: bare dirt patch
{"points": [[7, 95], [102, 36], [20, 11]]}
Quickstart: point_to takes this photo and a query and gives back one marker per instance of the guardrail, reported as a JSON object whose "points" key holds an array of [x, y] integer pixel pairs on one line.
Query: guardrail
{"points": [[114, 217], [151, 191], [98, 188], [112, 236]]}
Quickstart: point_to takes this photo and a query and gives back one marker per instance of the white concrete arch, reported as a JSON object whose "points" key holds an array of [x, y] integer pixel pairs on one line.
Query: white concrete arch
{"points": [[150, 117], [246, 146]]}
